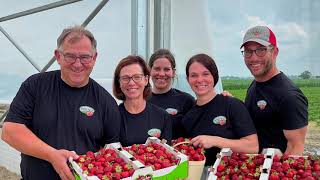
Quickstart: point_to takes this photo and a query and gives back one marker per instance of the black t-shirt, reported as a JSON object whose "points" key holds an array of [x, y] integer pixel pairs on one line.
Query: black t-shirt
{"points": [[226, 117], [136, 128], [177, 103], [78, 119], [274, 106]]}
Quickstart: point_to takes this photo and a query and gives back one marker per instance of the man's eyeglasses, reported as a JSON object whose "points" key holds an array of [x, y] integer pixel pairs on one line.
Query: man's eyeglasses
{"points": [[71, 58], [260, 52], [126, 79]]}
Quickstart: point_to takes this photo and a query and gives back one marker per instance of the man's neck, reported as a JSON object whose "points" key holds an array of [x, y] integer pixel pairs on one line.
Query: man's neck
{"points": [[73, 84], [273, 72]]}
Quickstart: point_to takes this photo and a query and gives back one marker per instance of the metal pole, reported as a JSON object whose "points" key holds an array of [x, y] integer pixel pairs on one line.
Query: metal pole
{"points": [[84, 24], [134, 27], [38, 9], [94, 13], [20, 49], [2, 117]]}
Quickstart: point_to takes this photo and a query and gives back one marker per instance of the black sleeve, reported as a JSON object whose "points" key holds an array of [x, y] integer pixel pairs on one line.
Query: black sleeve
{"points": [[242, 123], [21, 108], [294, 111], [112, 122], [167, 129]]}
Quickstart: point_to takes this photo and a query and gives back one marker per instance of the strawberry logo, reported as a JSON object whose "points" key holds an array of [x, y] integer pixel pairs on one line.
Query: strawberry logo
{"points": [[90, 113], [172, 111], [220, 120], [262, 104], [87, 110], [154, 132]]}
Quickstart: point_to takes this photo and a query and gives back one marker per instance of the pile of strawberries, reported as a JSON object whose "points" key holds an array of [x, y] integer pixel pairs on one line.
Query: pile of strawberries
{"points": [[286, 167], [106, 164], [194, 153], [153, 155], [240, 166]]}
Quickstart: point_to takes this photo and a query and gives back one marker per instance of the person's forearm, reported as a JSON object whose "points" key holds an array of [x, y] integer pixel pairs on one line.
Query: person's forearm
{"points": [[22, 139], [238, 145]]}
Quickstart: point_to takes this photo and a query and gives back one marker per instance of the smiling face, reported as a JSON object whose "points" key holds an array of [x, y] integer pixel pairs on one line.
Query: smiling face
{"points": [[135, 87], [76, 74], [162, 74], [262, 68], [200, 79]]}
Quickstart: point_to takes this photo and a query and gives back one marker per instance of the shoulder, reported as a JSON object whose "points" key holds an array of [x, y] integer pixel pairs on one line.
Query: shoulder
{"points": [[282, 82], [186, 96], [294, 97], [252, 85], [101, 90], [290, 91], [38, 80], [233, 100], [230, 102], [182, 93], [43, 76], [121, 107], [154, 109]]}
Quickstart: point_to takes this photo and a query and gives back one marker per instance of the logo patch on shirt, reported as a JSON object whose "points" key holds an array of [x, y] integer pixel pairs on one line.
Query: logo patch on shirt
{"points": [[262, 104], [154, 132], [87, 110], [172, 111], [220, 120]]}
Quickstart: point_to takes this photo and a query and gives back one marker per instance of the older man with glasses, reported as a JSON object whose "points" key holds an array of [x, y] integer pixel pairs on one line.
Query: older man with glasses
{"points": [[62, 113], [278, 108]]}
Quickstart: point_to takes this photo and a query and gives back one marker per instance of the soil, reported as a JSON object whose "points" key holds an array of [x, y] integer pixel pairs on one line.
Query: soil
{"points": [[5, 174]]}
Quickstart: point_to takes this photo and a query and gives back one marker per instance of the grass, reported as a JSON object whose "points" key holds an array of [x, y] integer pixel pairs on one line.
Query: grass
{"points": [[310, 88]]}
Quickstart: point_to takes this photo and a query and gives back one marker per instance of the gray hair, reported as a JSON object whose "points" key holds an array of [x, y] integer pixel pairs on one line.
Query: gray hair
{"points": [[76, 33]]}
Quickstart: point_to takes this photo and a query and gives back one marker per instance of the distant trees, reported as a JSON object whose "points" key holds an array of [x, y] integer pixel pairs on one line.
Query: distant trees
{"points": [[305, 75]]}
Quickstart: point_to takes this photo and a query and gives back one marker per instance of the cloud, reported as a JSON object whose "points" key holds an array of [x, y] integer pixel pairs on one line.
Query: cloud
{"points": [[255, 21], [291, 32]]}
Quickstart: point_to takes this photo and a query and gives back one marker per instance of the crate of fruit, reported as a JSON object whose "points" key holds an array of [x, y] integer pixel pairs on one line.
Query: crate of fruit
{"points": [[233, 165], [195, 155], [283, 166], [110, 162], [164, 160]]}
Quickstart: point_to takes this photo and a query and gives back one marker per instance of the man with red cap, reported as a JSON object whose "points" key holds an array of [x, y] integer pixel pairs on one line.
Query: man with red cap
{"points": [[278, 108]]}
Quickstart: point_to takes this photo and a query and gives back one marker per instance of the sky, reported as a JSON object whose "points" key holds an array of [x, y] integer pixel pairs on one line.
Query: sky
{"points": [[295, 23], [211, 26]]}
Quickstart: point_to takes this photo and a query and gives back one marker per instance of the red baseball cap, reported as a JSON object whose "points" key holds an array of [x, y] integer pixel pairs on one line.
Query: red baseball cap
{"points": [[260, 34]]}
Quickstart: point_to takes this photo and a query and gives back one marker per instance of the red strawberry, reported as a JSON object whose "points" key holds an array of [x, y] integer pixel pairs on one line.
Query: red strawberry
{"points": [[125, 174], [149, 149], [117, 168], [140, 151], [274, 177], [117, 176], [127, 167], [81, 159], [220, 167], [157, 166], [90, 153], [250, 164], [105, 177]]}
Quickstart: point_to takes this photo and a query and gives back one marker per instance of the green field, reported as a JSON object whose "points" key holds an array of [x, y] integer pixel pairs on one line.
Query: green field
{"points": [[310, 87]]}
